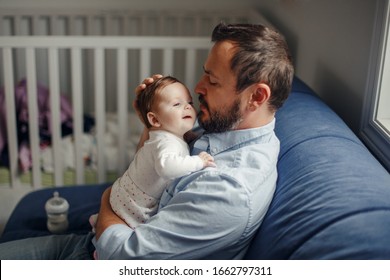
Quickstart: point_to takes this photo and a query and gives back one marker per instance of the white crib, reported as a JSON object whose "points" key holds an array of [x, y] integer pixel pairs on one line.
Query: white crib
{"points": [[94, 59], [75, 45]]}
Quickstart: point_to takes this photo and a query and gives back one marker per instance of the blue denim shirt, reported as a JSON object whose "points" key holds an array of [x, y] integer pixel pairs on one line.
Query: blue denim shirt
{"points": [[209, 214]]}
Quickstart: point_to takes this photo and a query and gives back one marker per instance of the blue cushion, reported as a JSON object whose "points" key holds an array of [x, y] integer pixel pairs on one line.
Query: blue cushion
{"points": [[333, 197]]}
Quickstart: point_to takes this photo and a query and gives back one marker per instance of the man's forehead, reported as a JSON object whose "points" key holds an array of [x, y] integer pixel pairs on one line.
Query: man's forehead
{"points": [[218, 61]]}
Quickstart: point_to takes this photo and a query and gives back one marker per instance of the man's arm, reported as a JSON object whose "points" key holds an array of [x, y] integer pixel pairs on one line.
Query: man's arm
{"points": [[144, 136], [106, 217], [138, 90]]}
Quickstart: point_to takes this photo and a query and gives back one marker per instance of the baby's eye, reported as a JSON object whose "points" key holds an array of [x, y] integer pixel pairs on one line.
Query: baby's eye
{"points": [[191, 103], [176, 104]]}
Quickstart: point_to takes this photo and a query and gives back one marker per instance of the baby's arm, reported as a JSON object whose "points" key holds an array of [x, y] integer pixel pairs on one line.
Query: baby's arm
{"points": [[172, 166]]}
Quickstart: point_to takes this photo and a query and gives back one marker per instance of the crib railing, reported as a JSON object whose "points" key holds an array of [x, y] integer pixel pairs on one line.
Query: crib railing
{"points": [[111, 22], [127, 22], [130, 53]]}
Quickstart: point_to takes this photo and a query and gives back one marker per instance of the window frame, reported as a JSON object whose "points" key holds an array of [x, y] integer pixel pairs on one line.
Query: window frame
{"points": [[372, 130]]}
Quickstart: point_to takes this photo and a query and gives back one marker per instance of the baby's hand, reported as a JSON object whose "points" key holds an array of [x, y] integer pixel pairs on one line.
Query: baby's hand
{"points": [[208, 160]]}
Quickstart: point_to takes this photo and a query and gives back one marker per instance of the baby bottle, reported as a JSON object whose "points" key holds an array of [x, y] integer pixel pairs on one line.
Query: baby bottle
{"points": [[57, 214]]}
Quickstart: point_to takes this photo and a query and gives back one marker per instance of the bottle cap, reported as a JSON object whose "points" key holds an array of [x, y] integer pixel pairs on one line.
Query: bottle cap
{"points": [[56, 204]]}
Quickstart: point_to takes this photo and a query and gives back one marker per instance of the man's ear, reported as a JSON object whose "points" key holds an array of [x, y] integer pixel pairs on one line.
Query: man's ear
{"points": [[260, 95], [152, 118]]}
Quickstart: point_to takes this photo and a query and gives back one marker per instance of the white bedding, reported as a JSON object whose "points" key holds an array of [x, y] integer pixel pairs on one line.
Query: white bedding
{"points": [[90, 149]]}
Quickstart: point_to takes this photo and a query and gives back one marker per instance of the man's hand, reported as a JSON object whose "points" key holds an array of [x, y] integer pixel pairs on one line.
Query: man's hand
{"points": [[141, 87], [145, 134], [146, 82], [106, 216]]}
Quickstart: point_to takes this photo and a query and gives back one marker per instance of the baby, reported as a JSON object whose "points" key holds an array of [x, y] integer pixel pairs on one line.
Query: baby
{"points": [[166, 109]]}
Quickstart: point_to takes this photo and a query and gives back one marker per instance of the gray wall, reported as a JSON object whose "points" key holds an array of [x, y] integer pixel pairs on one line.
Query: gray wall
{"points": [[330, 39]]}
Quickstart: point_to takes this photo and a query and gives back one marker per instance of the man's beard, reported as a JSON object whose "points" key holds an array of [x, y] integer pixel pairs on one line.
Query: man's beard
{"points": [[220, 121]]}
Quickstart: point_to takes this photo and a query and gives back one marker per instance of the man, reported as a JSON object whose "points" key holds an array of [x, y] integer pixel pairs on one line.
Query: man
{"points": [[213, 213]]}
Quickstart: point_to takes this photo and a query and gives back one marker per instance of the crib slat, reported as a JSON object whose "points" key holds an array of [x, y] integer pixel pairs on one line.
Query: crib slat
{"points": [[145, 62], [122, 108], [77, 113], [33, 117], [167, 62], [11, 116], [144, 23], [35, 25], [71, 26], [17, 25], [55, 115], [198, 26], [125, 25], [100, 112], [53, 24], [107, 25], [89, 25], [190, 69]]}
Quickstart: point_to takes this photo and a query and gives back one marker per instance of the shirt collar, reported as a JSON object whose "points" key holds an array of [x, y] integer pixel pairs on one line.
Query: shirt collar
{"points": [[219, 142]]}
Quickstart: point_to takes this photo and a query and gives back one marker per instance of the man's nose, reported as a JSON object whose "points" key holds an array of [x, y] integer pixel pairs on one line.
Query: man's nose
{"points": [[199, 88]]}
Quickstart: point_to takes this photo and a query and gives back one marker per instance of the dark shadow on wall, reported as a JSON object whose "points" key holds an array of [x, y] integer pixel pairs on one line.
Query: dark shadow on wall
{"points": [[338, 95]]}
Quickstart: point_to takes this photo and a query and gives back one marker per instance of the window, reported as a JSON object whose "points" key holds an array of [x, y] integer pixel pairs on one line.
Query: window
{"points": [[375, 128]]}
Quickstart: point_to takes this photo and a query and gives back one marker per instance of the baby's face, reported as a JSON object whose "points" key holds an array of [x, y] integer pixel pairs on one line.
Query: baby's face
{"points": [[174, 109]]}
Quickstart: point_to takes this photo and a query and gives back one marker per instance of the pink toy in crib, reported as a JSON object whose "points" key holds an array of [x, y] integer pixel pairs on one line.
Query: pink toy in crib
{"points": [[44, 119]]}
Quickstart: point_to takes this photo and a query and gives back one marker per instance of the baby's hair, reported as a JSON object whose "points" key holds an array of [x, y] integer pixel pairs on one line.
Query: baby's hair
{"points": [[146, 98]]}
